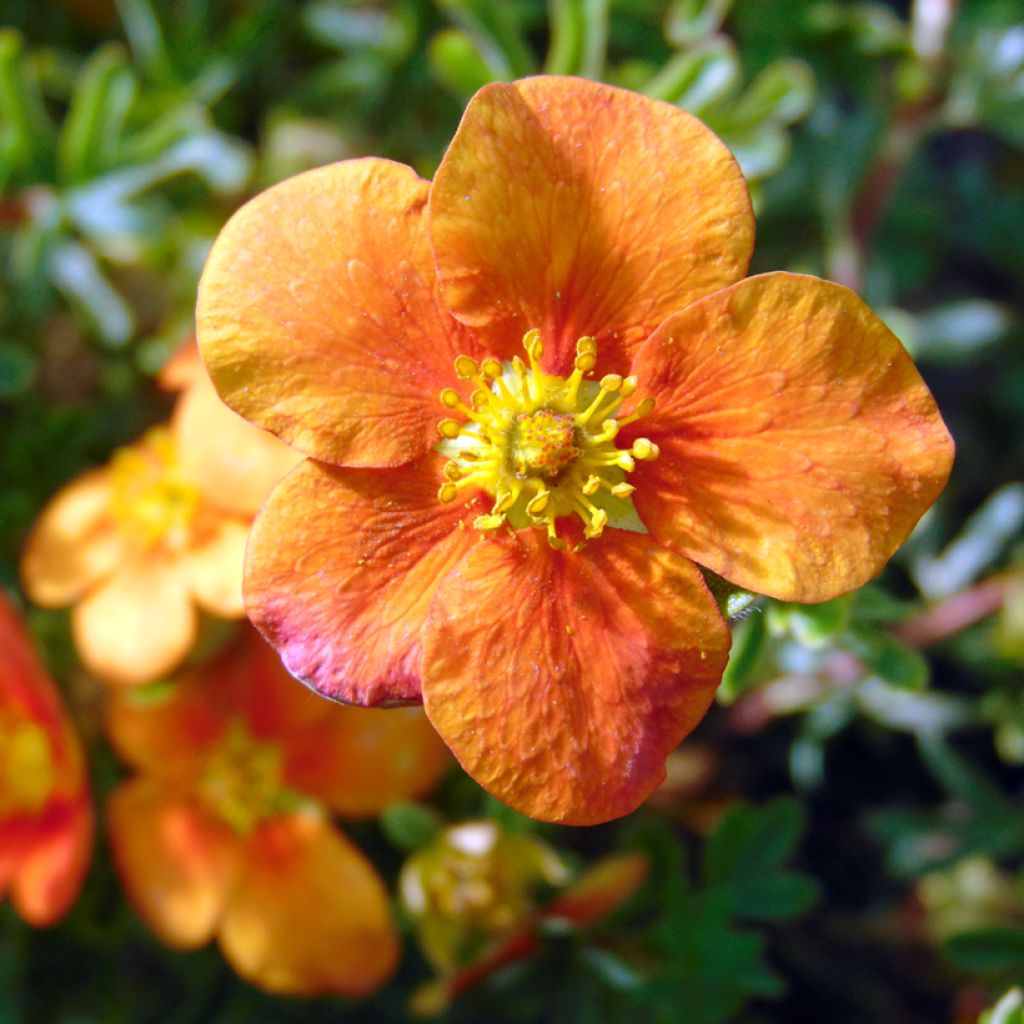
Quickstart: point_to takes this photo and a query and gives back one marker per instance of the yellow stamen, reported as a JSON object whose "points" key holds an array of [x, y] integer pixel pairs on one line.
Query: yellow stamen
{"points": [[541, 445]]}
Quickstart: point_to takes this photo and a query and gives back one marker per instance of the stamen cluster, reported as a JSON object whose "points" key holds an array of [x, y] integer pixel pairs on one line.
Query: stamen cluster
{"points": [[543, 446]]}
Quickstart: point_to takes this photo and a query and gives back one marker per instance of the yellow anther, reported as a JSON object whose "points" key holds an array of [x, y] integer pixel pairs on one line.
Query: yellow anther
{"points": [[585, 362], [505, 501], [450, 398], [629, 385], [449, 428], [598, 522], [644, 407], [536, 505], [586, 344], [452, 471], [466, 368], [611, 382], [592, 485], [554, 540], [645, 449], [622, 490], [491, 522], [447, 492], [533, 345], [479, 399], [490, 368]]}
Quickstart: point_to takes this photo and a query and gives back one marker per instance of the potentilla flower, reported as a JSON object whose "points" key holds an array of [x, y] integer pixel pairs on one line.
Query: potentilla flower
{"points": [[46, 818], [537, 395], [226, 831], [138, 544]]}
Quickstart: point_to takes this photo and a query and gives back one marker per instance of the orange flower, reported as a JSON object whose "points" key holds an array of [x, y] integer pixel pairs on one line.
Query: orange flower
{"points": [[225, 830], [139, 542], [532, 573], [46, 819]]}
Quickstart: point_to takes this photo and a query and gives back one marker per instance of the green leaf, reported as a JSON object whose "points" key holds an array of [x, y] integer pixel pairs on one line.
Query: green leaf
{"points": [[783, 93], [104, 92], [988, 950], [28, 130], [410, 826], [77, 274], [891, 661], [688, 21], [748, 646], [496, 32], [1009, 1009], [699, 78], [753, 840], [457, 62], [957, 332], [777, 897]]}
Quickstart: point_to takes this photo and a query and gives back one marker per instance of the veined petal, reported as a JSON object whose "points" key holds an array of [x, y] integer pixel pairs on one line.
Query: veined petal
{"points": [[177, 862], [50, 877], [561, 681], [799, 445], [214, 566], [318, 316], [340, 569], [74, 543], [233, 463], [138, 624], [359, 760], [309, 914], [583, 209]]}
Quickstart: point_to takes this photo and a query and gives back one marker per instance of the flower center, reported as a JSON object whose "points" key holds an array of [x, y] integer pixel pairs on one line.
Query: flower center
{"points": [[152, 501], [27, 771], [241, 780], [542, 446]]}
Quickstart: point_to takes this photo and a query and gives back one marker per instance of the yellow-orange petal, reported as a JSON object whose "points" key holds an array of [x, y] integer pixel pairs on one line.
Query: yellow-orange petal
{"points": [[49, 877], [139, 624], [583, 209], [799, 445], [233, 463], [340, 569], [177, 863], [562, 680], [183, 369], [214, 565], [309, 914], [318, 316], [359, 760], [74, 543]]}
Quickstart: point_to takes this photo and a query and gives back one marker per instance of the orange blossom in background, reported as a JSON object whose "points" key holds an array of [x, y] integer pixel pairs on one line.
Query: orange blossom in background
{"points": [[537, 394], [226, 831], [137, 544], [46, 817]]}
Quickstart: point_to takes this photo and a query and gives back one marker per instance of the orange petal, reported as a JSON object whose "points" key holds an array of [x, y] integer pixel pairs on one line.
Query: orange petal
{"points": [[561, 681], [74, 543], [50, 877], [214, 566], [340, 569], [176, 861], [233, 463], [583, 209], [359, 760], [183, 368], [799, 445], [318, 317], [137, 625], [309, 914]]}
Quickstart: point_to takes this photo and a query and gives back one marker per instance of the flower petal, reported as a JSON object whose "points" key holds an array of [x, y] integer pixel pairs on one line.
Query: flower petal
{"points": [[583, 209], [562, 680], [318, 317], [215, 565], [138, 624], [50, 877], [176, 861], [74, 543], [233, 463], [310, 914], [799, 445], [340, 569], [359, 760]]}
